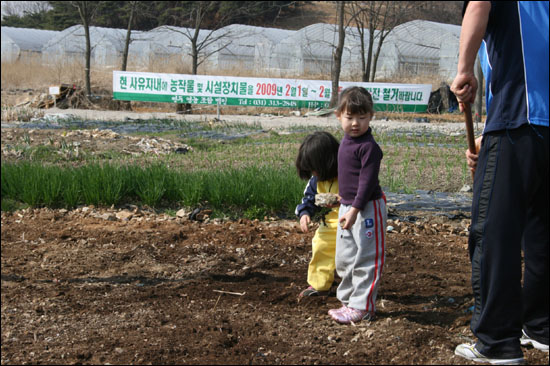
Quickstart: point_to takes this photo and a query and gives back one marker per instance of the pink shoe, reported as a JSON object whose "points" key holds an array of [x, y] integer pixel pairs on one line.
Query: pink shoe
{"points": [[334, 311], [351, 315]]}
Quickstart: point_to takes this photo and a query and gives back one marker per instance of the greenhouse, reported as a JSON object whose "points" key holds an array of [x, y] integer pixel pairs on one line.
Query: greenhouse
{"points": [[243, 47], [414, 48], [309, 51], [158, 46], [174, 43], [175, 39], [23, 43], [423, 47], [143, 53], [107, 45]]}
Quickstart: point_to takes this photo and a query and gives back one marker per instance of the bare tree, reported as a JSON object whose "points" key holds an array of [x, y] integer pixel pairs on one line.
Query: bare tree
{"points": [[376, 19], [196, 18], [200, 41], [204, 43], [133, 5], [363, 25], [87, 11], [337, 56]]}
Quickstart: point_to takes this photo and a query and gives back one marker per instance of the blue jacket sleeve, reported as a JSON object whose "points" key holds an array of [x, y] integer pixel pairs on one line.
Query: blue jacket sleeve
{"points": [[307, 206]]}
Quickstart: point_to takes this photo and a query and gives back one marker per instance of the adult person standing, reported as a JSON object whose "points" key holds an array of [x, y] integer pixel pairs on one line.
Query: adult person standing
{"points": [[510, 203]]}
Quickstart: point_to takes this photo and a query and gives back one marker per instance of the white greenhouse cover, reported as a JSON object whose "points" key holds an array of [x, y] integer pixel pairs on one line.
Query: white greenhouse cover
{"points": [[411, 48], [243, 46], [107, 44], [174, 38], [17, 40]]}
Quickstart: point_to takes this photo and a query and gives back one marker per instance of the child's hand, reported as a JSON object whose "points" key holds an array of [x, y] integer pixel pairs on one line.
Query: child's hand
{"points": [[347, 220], [305, 220]]}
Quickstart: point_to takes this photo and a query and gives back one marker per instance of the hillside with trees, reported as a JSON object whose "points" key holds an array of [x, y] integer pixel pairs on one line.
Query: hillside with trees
{"points": [[294, 15], [151, 14]]}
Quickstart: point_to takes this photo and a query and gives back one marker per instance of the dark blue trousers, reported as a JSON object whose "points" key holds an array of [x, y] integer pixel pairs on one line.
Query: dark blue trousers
{"points": [[510, 214]]}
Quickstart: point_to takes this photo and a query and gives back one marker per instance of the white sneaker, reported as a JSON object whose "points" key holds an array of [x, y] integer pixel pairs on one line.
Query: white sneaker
{"points": [[470, 352], [528, 341]]}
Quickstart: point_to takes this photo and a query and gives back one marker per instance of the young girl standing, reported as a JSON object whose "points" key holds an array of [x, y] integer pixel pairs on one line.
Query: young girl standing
{"points": [[317, 161], [360, 240]]}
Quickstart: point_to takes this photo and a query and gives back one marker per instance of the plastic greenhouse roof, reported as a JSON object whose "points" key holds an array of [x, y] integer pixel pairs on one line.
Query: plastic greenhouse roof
{"points": [[68, 37], [28, 39], [238, 39], [318, 40], [422, 37], [318, 32], [247, 34], [168, 34], [414, 41], [321, 32], [144, 45]]}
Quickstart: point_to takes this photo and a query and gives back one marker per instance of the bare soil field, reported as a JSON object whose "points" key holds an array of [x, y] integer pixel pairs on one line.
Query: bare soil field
{"points": [[129, 285]]}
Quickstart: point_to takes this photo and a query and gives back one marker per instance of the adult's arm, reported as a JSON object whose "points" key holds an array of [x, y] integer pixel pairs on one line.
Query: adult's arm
{"points": [[472, 32]]}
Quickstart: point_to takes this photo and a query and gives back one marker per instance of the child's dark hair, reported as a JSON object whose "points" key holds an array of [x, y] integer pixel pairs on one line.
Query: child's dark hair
{"points": [[355, 100], [318, 153]]}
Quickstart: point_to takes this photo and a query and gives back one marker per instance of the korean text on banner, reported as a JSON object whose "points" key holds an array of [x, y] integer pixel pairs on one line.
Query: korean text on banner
{"points": [[259, 92]]}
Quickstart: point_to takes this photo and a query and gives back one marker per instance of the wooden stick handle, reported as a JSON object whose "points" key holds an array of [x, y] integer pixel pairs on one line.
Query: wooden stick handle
{"points": [[469, 129]]}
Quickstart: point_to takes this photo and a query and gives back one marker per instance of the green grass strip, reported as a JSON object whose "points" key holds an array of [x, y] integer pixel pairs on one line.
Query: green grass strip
{"points": [[250, 191]]}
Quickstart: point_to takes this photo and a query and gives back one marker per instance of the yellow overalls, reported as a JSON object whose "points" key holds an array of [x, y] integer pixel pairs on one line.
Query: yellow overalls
{"points": [[321, 268]]}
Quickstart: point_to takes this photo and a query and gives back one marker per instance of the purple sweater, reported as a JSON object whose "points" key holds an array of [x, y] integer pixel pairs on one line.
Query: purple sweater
{"points": [[358, 167]]}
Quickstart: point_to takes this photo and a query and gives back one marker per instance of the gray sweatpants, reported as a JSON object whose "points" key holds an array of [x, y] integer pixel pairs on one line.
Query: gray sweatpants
{"points": [[360, 255]]}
